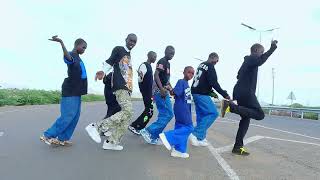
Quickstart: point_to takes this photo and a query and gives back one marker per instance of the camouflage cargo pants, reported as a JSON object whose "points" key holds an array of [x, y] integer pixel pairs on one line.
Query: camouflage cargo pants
{"points": [[119, 122]]}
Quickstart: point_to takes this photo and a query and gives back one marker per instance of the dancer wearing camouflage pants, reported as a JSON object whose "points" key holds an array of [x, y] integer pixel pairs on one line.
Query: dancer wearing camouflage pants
{"points": [[115, 126]]}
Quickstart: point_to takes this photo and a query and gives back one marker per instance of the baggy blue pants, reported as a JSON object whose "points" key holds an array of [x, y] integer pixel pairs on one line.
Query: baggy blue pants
{"points": [[178, 138], [206, 112], [64, 126], [165, 114]]}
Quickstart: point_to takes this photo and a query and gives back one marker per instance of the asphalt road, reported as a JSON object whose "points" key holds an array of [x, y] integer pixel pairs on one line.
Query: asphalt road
{"points": [[281, 148]]}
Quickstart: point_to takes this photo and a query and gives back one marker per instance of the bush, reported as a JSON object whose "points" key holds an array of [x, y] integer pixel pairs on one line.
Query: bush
{"points": [[313, 116], [92, 97], [296, 105], [17, 97]]}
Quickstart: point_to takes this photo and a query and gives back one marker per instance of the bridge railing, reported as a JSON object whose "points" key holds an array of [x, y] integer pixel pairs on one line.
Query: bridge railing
{"points": [[301, 111]]}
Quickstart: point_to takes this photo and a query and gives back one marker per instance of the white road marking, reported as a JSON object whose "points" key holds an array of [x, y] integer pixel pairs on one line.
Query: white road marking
{"points": [[3, 112], [226, 167], [289, 140], [288, 132], [1, 134], [24, 110], [274, 129]]}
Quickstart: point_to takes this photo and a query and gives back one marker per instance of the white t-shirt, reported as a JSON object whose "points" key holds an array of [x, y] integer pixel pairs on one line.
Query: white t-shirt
{"points": [[141, 72]]}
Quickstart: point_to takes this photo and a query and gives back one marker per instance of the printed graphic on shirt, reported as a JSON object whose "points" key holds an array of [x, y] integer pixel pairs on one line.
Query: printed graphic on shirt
{"points": [[197, 78], [201, 68], [160, 66], [126, 71], [188, 97]]}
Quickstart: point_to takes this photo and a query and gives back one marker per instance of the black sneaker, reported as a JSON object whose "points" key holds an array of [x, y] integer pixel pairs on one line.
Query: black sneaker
{"points": [[225, 107], [240, 151], [134, 130]]}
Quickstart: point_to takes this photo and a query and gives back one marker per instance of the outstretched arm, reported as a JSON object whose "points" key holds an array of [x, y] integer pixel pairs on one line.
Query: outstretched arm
{"points": [[65, 51], [266, 55]]}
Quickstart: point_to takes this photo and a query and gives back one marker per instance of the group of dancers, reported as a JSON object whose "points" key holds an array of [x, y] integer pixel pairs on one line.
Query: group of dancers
{"points": [[117, 74]]}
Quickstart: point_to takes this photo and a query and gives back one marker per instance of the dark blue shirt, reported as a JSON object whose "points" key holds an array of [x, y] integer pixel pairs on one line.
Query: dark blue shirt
{"points": [[182, 105], [76, 83]]}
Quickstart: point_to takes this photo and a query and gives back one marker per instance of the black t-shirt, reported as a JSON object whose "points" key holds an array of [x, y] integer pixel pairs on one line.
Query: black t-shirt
{"points": [[76, 83], [206, 79], [163, 66], [122, 69]]}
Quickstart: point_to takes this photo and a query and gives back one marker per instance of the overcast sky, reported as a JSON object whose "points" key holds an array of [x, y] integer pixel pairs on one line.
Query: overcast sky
{"points": [[194, 28]]}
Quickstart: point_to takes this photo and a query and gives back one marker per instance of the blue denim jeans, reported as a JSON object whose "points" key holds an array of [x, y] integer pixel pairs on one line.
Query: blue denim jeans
{"points": [[206, 112], [165, 114]]}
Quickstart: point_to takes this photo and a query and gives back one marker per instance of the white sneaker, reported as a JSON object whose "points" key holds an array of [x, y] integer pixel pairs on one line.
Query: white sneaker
{"points": [[108, 133], [176, 153], [203, 143], [93, 133], [193, 139], [159, 143], [110, 146], [165, 141]]}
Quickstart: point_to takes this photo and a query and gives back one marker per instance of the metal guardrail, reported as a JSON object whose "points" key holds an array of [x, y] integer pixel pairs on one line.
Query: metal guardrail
{"points": [[292, 110]]}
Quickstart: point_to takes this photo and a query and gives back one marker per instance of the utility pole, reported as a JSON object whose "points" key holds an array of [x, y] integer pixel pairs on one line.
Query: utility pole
{"points": [[273, 73]]}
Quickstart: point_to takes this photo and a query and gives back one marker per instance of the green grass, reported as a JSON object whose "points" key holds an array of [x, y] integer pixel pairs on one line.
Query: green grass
{"points": [[312, 116], [20, 97]]}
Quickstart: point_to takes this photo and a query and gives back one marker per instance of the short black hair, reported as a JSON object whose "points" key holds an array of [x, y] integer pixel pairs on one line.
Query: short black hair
{"points": [[213, 55], [255, 47], [79, 41], [151, 53], [169, 48], [187, 67], [132, 35]]}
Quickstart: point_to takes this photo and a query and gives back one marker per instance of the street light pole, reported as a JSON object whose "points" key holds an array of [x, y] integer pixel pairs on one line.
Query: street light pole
{"points": [[260, 41], [272, 85]]}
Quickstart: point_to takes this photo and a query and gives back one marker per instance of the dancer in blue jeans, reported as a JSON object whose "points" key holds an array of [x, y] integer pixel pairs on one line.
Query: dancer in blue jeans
{"points": [[161, 97], [177, 139], [206, 111], [73, 87]]}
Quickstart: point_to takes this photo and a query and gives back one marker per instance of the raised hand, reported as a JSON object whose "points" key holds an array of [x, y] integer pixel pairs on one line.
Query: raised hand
{"points": [[56, 39], [275, 42]]}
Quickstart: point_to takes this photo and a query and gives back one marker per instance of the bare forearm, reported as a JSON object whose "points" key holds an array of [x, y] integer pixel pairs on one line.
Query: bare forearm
{"points": [[65, 52], [157, 79]]}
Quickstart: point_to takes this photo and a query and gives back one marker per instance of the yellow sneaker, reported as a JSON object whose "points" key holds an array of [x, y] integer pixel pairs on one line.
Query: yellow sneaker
{"points": [[240, 151], [225, 108]]}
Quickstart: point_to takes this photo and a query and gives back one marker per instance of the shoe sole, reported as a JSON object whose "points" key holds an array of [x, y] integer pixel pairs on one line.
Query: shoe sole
{"points": [[145, 138], [235, 153], [203, 145], [42, 139], [165, 141], [88, 131], [240, 154], [177, 156], [134, 132], [112, 149]]}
